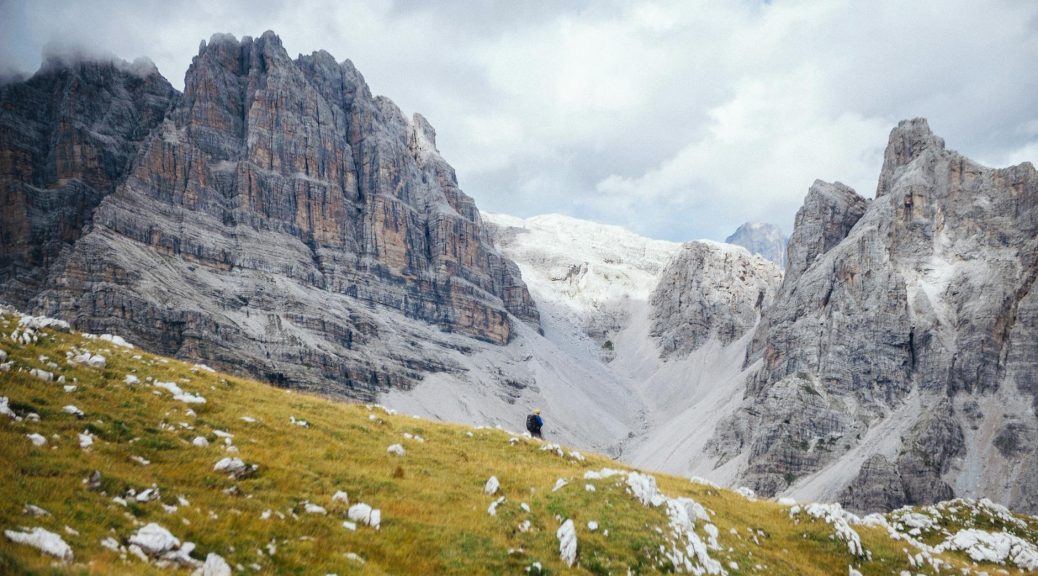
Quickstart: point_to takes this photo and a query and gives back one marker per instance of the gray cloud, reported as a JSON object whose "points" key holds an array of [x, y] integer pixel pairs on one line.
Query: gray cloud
{"points": [[676, 119]]}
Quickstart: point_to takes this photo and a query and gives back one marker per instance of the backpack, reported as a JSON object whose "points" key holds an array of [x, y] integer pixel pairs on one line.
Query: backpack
{"points": [[531, 423]]}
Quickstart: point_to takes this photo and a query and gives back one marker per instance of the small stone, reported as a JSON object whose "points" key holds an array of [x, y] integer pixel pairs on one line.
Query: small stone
{"points": [[492, 485]]}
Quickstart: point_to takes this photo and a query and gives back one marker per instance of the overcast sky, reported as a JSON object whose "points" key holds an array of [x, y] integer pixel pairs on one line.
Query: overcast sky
{"points": [[679, 120]]}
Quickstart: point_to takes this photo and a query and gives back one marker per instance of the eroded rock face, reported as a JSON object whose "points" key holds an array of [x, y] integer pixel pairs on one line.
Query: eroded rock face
{"points": [[709, 291], [925, 293], [827, 216], [67, 138], [272, 214]]}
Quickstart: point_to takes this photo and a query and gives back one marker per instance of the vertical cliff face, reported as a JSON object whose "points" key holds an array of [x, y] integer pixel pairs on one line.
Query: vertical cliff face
{"points": [[269, 216], [67, 137], [897, 362]]}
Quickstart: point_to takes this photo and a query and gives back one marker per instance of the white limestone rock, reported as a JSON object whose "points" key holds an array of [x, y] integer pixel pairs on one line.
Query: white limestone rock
{"points": [[42, 540]]}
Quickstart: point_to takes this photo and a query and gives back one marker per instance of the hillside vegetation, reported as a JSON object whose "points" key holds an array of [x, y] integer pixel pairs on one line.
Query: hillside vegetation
{"points": [[137, 464]]}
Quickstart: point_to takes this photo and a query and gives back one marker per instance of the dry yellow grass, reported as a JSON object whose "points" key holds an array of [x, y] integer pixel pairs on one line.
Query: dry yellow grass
{"points": [[434, 511]]}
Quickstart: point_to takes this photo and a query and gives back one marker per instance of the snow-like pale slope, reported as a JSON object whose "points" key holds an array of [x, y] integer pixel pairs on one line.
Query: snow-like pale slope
{"points": [[584, 404], [596, 372], [584, 276]]}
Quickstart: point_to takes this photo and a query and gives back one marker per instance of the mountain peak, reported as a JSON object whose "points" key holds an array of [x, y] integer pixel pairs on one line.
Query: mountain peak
{"points": [[908, 140], [83, 61], [761, 238]]}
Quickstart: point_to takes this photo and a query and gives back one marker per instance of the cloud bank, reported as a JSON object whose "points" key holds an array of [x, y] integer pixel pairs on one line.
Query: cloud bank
{"points": [[678, 120]]}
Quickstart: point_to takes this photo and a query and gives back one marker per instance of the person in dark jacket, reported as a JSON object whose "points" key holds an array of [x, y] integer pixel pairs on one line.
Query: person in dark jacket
{"points": [[534, 423]]}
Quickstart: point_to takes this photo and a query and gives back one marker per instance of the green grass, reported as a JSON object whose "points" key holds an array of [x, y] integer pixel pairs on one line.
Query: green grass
{"points": [[434, 512]]}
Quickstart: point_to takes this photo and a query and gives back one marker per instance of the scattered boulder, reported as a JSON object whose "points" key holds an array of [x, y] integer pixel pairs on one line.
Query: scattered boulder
{"points": [[492, 485], [148, 495], [214, 565], [41, 322], [42, 540], [492, 510], [188, 398], [5, 408], [396, 449], [93, 482], [116, 341], [71, 409], [36, 439], [34, 511], [231, 465], [42, 374], [567, 535], [154, 540], [113, 545], [365, 514], [311, 508], [235, 468]]}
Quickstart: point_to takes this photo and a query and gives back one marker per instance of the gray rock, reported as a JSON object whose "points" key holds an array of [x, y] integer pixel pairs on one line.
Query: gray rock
{"points": [[923, 294], [827, 216], [281, 222], [765, 240], [710, 290], [68, 136], [927, 453]]}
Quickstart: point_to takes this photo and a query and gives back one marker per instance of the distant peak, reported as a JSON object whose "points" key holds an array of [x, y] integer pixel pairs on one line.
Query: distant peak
{"points": [[761, 238], [759, 227]]}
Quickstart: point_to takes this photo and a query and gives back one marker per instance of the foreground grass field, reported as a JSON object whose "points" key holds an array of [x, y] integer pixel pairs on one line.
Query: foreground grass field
{"points": [[135, 425]]}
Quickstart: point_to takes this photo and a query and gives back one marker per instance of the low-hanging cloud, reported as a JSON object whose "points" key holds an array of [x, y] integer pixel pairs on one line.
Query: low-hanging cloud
{"points": [[677, 119]]}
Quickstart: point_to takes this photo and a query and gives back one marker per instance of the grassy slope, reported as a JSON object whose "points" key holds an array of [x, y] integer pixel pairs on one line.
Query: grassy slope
{"points": [[434, 511]]}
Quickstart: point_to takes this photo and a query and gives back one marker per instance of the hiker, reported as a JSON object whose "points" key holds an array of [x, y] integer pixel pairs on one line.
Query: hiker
{"points": [[534, 423]]}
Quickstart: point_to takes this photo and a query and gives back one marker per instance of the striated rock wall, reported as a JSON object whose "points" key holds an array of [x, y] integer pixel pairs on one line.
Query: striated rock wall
{"points": [[926, 292], [269, 218], [67, 137]]}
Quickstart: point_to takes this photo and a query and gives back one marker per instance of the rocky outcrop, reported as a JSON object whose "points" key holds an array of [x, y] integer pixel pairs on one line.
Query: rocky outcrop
{"points": [[274, 223], [827, 216], [68, 136], [926, 292], [765, 240], [710, 290]]}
